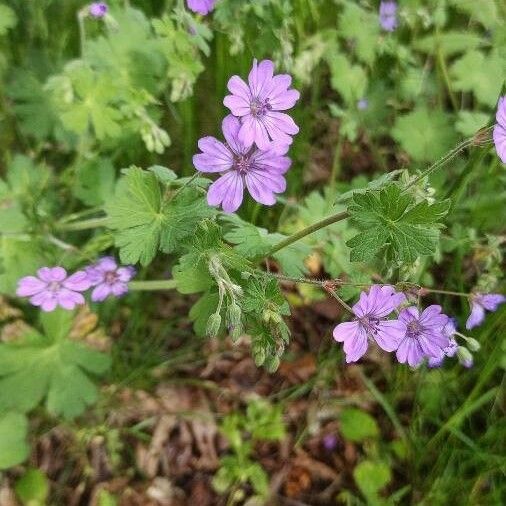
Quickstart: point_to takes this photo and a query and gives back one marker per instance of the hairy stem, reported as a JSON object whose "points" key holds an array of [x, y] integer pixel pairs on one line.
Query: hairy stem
{"points": [[307, 231], [83, 225], [157, 284]]}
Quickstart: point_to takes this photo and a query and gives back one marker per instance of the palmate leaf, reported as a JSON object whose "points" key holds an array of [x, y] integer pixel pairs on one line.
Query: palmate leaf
{"points": [[144, 223], [425, 135], [482, 74], [50, 367], [392, 219]]}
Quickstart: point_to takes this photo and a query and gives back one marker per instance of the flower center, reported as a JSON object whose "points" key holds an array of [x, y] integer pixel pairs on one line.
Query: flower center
{"points": [[370, 323], [54, 286], [111, 277], [414, 329], [259, 108], [242, 164]]}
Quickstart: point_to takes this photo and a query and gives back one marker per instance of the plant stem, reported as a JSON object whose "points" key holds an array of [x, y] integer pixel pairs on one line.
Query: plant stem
{"points": [[446, 292], [444, 71], [307, 231], [157, 284], [83, 225]]}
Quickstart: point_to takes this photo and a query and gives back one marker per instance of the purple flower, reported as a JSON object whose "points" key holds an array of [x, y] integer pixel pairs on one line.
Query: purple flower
{"points": [[261, 171], [329, 442], [388, 15], [258, 104], [449, 331], [499, 134], [363, 104], [424, 335], [371, 322], [98, 9], [201, 6], [480, 303], [108, 278], [53, 288]]}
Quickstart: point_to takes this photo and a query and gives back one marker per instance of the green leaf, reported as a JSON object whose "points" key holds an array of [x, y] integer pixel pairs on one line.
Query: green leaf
{"points": [[13, 446], [8, 19], [371, 477], [202, 310], [19, 256], [451, 42], [32, 488], [484, 11], [95, 181], [425, 135], [392, 219], [482, 74], [254, 242], [347, 79], [143, 223], [361, 27], [357, 425], [163, 174], [469, 122], [51, 367]]}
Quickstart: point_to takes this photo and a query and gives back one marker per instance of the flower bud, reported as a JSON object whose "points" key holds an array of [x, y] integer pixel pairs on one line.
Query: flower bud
{"points": [[213, 325], [234, 315], [473, 344], [465, 357]]}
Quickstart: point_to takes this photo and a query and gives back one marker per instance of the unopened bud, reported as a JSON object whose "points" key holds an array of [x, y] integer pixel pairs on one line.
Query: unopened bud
{"points": [[234, 315], [473, 344], [213, 325], [465, 357]]}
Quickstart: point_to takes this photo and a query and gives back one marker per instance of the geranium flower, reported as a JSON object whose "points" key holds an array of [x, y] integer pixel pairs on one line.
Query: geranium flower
{"points": [[480, 303], [424, 335], [201, 6], [108, 278], [388, 15], [98, 9], [262, 172], [258, 104], [499, 134], [371, 323], [51, 287]]}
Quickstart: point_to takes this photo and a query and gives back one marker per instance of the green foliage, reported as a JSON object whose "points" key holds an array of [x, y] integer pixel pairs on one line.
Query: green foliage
{"points": [[13, 446], [146, 221], [95, 181], [255, 242], [262, 422], [349, 80], [425, 135], [370, 477], [390, 220], [483, 74], [7, 19], [33, 488], [357, 425], [50, 366]]}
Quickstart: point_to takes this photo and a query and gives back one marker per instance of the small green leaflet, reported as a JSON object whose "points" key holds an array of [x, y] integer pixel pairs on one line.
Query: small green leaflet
{"points": [[451, 42], [13, 446], [50, 367], [347, 79], [144, 222], [8, 19], [393, 220]]}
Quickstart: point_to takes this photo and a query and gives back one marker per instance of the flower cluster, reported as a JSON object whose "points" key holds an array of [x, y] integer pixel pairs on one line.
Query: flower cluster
{"points": [[499, 134], [52, 287], [203, 7], [257, 139], [414, 336]]}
